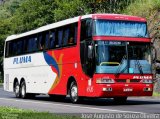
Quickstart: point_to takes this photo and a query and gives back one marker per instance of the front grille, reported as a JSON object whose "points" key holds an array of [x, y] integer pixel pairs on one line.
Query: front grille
{"points": [[121, 80], [135, 80]]}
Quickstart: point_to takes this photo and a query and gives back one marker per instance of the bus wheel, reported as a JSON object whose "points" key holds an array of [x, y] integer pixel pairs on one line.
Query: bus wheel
{"points": [[73, 92], [120, 100], [23, 90], [17, 90]]}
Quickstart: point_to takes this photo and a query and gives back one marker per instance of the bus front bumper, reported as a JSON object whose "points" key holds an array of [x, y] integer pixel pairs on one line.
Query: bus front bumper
{"points": [[123, 90]]}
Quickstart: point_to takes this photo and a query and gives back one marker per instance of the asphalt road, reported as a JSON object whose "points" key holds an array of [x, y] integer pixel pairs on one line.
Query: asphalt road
{"points": [[44, 103]]}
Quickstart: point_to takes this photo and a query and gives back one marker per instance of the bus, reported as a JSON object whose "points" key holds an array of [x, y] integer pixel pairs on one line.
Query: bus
{"points": [[94, 56]]}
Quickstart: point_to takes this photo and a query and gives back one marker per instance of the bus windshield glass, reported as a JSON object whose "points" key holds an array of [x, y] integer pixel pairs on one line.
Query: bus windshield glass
{"points": [[120, 28], [122, 57]]}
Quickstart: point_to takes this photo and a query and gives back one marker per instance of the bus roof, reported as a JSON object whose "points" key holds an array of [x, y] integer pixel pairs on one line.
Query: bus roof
{"points": [[75, 19], [115, 17]]}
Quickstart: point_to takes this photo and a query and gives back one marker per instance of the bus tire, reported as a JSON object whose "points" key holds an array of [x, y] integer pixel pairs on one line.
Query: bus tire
{"points": [[120, 100], [73, 92], [23, 90], [17, 89]]}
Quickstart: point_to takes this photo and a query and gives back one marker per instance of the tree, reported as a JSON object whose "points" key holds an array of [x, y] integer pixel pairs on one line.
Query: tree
{"points": [[33, 14], [69, 8], [8, 8]]}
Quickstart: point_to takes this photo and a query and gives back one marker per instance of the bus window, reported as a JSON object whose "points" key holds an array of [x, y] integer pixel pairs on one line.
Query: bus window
{"points": [[66, 36], [60, 35], [9, 49], [29, 48], [75, 33], [19, 47], [52, 39], [41, 41], [72, 39], [32, 44], [35, 44], [14, 48], [86, 29], [47, 40], [25, 43]]}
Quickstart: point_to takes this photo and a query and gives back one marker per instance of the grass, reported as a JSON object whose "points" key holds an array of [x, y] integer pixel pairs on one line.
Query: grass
{"points": [[14, 113]]}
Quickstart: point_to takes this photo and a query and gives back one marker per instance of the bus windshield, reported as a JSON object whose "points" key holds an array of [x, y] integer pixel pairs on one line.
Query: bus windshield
{"points": [[122, 57], [120, 28]]}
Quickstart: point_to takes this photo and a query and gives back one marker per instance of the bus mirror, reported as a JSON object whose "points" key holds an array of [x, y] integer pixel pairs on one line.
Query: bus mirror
{"points": [[90, 51]]}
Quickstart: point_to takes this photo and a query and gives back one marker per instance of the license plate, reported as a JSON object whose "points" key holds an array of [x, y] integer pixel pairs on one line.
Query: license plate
{"points": [[128, 89]]}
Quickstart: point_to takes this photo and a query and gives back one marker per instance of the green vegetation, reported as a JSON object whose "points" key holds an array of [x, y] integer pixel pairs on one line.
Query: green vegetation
{"points": [[143, 8], [14, 113]]}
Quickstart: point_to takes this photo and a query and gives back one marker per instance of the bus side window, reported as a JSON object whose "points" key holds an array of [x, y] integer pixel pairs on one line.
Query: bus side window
{"points": [[32, 44], [14, 49], [9, 49], [52, 39], [66, 36], [19, 47], [72, 40], [41, 41], [47, 40], [60, 36], [29, 48], [56, 43], [25, 47], [75, 33], [86, 29], [35, 44]]}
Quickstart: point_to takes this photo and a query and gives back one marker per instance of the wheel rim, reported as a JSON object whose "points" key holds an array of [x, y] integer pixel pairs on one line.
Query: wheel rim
{"points": [[74, 93], [17, 89], [23, 90]]}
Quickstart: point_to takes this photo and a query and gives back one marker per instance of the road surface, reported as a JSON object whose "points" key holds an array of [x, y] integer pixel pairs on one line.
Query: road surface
{"points": [[44, 103]]}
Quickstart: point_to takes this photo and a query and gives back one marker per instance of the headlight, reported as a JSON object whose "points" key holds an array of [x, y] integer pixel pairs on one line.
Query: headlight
{"points": [[147, 81], [104, 80]]}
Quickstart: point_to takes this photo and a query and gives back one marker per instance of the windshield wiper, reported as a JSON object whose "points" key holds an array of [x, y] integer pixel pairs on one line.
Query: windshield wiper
{"points": [[139, 67], [120, 65]]}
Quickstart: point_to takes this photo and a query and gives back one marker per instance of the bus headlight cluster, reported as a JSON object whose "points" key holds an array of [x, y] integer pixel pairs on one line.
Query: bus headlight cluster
{"points": [[104, 80], [149, 81]]}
